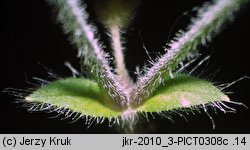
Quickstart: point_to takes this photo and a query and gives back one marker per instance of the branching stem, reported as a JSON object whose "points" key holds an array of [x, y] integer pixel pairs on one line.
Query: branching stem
{"points": [[74, 19]]}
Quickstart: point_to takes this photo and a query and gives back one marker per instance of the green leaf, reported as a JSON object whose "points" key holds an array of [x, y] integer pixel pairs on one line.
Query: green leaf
{"points": [[182, 91], [77, 94], [85, 97]]}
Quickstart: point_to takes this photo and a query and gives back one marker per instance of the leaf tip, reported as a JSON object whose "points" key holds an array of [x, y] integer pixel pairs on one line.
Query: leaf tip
{"points": [[225, 98], [28, 98]]}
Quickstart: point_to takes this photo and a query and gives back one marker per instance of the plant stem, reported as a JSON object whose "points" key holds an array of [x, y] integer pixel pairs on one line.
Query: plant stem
{"points": [[119, 58], [209, 21], [74, 20]]}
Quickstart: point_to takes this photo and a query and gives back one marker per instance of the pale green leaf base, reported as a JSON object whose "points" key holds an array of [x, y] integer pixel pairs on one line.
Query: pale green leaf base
{"points": [[84, 96]]}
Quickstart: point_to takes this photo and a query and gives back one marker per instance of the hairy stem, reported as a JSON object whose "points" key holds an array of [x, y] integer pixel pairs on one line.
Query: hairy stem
{"points": [[118, 54], [119, 58], [211, 18], [74, 20]]}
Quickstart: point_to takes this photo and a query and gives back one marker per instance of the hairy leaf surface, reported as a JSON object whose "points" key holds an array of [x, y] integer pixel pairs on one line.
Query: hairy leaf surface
{"points": [[78, 94], [182, 91], [84, 96]]}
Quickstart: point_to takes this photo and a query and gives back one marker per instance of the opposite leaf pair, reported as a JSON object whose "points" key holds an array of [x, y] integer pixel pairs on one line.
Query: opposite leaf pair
{"points": [[111, 93]]}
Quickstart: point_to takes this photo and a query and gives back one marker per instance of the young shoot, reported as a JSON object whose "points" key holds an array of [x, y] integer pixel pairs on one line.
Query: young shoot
{"points": [[109, 93]]}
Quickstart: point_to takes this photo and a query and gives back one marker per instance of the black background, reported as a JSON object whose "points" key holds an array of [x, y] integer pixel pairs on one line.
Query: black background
{"points": [[31, 36]]}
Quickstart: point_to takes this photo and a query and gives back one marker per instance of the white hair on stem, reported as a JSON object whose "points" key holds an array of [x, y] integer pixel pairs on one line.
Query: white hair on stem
{"points": [[211, 18], [74, 20], [119, 58]]}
